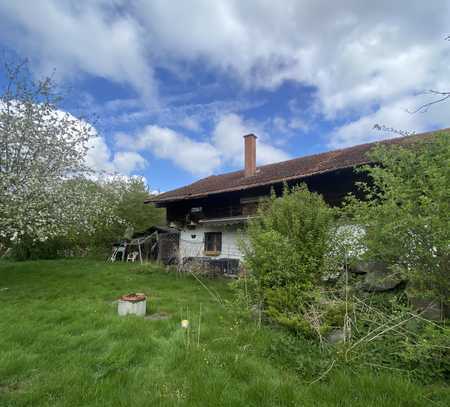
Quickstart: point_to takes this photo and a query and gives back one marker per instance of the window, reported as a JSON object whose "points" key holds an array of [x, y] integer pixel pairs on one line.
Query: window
{"points": [[213, 243]]}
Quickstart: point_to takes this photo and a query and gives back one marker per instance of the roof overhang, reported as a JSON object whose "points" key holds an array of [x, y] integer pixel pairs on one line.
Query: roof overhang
{"points": [[162, 201]]}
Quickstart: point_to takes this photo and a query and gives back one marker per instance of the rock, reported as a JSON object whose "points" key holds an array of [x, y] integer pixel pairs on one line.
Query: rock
{"points": [[428, 308], [336, 336], [363, 267], [358, 268], [380, 278]]}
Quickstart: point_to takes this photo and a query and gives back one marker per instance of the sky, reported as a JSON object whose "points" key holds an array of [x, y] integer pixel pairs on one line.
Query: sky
{"points": [[174, 85]]}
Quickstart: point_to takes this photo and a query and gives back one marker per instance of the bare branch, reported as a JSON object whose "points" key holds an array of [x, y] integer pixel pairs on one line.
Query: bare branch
{"points": [[425, 107]]}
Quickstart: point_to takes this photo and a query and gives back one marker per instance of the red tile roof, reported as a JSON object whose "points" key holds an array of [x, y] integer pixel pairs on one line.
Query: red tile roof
{"points": [[296, 168]]}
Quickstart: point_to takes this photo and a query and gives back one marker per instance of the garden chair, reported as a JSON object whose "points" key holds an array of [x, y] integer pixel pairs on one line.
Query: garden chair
{"points": [[132, 256]]}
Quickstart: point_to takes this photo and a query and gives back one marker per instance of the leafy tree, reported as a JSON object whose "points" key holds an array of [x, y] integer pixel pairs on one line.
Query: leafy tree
{"points": [[406, 213], [127, 195], [134, 211]]}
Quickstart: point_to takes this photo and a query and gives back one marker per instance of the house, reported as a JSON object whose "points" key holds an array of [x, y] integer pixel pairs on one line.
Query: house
{"points": [[210, 213]]}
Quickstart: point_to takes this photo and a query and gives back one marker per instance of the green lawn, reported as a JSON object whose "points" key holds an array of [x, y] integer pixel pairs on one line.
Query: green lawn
{"points": [[62, 344]]}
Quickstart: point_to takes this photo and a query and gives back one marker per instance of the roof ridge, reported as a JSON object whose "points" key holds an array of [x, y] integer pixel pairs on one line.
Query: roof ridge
{"points": [[326, 152], [354, 146]]}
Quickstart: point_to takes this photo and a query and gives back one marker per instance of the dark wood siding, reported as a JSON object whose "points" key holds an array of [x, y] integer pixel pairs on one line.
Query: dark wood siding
{"points": [[332, 186]]}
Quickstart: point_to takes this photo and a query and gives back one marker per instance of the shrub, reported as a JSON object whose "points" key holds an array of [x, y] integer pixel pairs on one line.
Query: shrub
{"points": [[28, 249], [406, 213], [285, 255]]}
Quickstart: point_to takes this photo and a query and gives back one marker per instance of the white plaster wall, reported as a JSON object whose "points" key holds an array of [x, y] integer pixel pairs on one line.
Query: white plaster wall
{"points": [[194, 246], [349, 235]]}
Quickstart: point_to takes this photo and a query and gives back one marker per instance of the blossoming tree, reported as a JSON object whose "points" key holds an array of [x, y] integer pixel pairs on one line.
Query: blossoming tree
{"points": [[44, 188]]}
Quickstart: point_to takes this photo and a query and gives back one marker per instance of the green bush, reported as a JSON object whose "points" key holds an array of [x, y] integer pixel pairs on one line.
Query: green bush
{"points": [[285, 254], [406, 213], [28, 249]]}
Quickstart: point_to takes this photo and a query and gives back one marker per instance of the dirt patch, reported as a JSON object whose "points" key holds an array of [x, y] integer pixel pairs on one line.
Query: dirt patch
{"points": [[14, 387], [158, 316]]}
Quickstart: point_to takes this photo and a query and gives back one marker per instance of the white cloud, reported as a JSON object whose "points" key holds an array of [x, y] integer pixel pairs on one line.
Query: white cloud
{"points": [[227, 138], [199, 158], [190, 123], [100, 158], [78, 37], [225, 147], [354, 52], [393, 115], [124, 141], [284, 126], [363, 58], [297, 123], [126, 162]]}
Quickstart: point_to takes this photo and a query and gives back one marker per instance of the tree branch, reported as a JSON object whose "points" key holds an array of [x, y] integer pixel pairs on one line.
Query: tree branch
{"points": [[424, 108]]}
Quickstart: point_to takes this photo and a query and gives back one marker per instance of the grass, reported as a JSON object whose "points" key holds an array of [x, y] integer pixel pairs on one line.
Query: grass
{"points": [[62, 344]]}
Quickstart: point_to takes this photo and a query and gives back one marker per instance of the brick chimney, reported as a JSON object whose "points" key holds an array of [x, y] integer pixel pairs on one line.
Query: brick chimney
{"points": [[250, 155]]}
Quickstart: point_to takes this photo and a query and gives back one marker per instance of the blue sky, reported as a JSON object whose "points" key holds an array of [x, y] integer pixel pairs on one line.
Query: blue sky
{"points": [[175, 85]]}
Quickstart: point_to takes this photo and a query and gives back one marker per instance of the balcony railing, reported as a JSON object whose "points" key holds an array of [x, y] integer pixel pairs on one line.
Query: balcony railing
{"points": [[222, 212]]}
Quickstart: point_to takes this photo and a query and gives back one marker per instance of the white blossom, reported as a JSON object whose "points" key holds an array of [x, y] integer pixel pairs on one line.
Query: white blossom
{"points": [[45, 186]]}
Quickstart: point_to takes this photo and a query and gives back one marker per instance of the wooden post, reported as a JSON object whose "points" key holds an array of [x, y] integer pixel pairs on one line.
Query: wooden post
{"points": [[140, 252], [158, 239]]}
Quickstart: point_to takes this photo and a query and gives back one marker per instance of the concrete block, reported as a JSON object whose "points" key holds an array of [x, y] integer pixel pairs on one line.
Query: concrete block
{"points": [[132, 304]]}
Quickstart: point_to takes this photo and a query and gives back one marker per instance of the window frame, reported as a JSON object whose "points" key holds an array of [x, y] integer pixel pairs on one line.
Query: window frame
{"points": [[216, 242]]}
